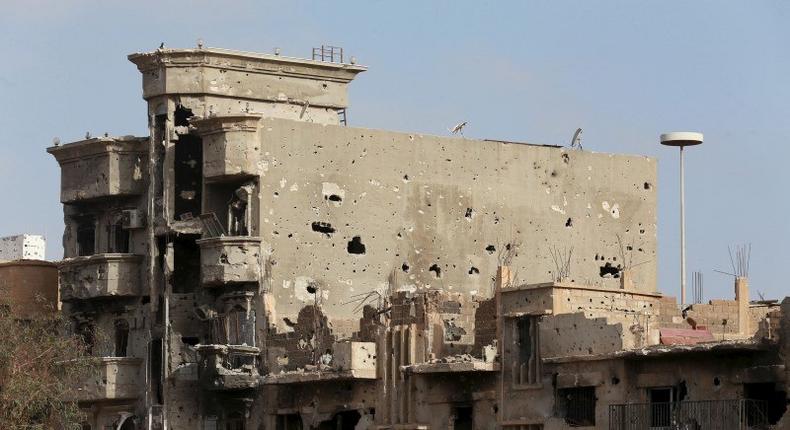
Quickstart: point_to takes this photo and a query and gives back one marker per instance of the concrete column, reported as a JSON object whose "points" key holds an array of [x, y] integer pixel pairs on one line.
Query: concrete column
{"points": [[742, 297]]}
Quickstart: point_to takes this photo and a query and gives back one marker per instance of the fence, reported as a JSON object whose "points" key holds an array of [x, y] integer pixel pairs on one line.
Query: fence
{"points": [[738, 414]]}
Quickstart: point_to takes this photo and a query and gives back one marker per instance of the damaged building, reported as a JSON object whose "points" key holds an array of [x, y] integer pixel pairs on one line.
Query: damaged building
{"points": [[256, 263]]}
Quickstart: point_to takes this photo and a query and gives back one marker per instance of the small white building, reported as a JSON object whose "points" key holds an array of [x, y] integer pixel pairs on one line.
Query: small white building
{"points": [[23, 247]]}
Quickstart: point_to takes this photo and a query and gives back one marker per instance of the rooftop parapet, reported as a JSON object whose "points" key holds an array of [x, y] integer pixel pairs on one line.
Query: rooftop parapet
{"points": [[245, 75]]}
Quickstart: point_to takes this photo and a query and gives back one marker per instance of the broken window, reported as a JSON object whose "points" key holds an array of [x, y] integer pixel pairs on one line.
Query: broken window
{"points": [[186, 265], [463, 418], [526, 347], [661, 405], [86, 236], [577, 406], [87, 332], [188, 168], [241, 327], [121, 337], [155, 369], [240, 211], [289, 422], [765, 401], [117, 238], [345, 420], [234, 421]]}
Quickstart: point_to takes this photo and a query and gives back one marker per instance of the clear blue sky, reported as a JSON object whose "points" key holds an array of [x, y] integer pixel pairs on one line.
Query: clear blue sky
{"points": [[624, 71]]}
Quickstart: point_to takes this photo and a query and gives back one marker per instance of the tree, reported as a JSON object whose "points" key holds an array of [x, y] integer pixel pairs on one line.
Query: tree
{"points": [[41, 361]]}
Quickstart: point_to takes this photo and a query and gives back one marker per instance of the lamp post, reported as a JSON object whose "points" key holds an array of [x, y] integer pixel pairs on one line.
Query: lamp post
{"points": [[682, 139]]}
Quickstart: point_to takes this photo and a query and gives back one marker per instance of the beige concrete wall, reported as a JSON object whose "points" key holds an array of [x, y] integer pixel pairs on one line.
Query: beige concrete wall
{"points": [[450, 202]]}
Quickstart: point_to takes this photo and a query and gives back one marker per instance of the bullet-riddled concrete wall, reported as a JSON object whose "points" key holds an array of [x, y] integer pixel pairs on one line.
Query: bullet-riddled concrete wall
{"points": [[350, 210]]}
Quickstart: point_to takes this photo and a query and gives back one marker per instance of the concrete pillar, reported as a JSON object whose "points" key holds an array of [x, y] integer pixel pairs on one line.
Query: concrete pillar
{"points": [[742, 297], [626, 279]]}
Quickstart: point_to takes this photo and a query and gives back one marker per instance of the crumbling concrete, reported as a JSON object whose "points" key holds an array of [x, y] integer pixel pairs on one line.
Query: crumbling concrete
{"points": [[270, 268]]}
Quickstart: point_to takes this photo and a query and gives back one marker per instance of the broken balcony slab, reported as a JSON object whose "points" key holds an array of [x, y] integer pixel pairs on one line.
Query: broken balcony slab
{"points": [[456, 367], [230, 260], [102, 167], [114, 378], [228, 367], [230, 146], [317, 375], [100, 275]]}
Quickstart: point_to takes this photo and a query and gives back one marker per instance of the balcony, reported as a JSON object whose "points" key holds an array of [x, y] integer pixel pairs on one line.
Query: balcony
{"points": [[102, 167], [231, 146], [100, 275], [230, 260], [709, 414], [115, 378], [228, 367]]}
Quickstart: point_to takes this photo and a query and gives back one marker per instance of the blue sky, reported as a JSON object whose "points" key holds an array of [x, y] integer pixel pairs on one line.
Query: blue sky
{"points": [[624, 71]]}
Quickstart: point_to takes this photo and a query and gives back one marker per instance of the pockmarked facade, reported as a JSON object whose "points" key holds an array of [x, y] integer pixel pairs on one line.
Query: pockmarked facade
{"points": [[256, 263]]}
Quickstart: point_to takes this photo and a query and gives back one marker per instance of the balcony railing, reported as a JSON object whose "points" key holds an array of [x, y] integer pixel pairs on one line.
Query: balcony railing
{"points": [[228, 367], [116, 378], [100, 275], [102, 167], [738, 414]]}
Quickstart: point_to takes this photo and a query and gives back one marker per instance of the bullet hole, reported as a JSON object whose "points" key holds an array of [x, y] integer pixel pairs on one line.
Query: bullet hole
{"points": [[334, 198], [405, 178], [566, 158], [276, 194], [474, 270], [312, 288], [648, 185], [490, 249], [437, 271], [716, 381], [629, 248], [569, 223], [405, 268], [597, 257], [615, 380], [641, 231], [469, 213], [400, 236], [323, 227], [553, 173], [607, 270], [355, 246]]}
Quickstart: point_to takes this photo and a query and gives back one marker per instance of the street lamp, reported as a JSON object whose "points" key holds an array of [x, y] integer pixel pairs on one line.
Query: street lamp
{"points": [[682, 139]]}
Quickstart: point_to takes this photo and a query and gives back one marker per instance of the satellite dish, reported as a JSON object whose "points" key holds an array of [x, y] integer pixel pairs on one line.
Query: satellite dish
{"points": [[576, 141]]}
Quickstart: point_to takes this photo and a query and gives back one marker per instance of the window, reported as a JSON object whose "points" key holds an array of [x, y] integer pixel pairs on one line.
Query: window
{"points": [[86, 236], [241, 327], [765, 400], [526, 346], [186, 265], [661, 401], [577, 406], [289, 422], [121, 337], [87, 332], [187, 169], [234, 421], [117, 238], [463, 418]]}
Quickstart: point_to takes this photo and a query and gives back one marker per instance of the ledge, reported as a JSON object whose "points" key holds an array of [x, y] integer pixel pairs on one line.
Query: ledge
{"points": [[306, 377], [576, 286], [466, 366]]}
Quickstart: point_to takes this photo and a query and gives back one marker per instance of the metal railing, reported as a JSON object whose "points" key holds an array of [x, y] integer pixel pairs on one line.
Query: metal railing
{"points": [[738, 414]]}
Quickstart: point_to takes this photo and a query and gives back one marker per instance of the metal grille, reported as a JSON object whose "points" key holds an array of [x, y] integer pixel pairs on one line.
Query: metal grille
{"points": [[577, 406], [332, 54], [738, 414]]}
